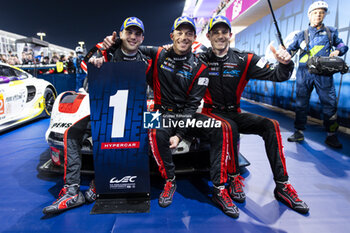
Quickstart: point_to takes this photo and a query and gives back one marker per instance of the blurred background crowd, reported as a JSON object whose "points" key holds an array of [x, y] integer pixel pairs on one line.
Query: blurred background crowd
{"points": [[28, 58]]}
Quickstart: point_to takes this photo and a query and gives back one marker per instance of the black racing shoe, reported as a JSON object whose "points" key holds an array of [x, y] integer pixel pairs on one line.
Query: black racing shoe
{"points": [[235, 188], [90, 194], [332, 140], [285, 193], [298, 136], [166, 197], [222, 199], [69, 197]]}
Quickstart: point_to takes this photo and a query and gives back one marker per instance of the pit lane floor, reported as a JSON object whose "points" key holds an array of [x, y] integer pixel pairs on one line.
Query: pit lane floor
{"points": [[321, 176]]}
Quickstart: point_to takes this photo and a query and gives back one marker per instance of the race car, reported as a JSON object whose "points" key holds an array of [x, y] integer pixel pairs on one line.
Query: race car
{"points": [[23, 97], [71, 106]]}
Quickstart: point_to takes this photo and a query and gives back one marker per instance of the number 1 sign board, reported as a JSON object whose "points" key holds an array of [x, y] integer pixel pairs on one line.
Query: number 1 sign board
{"points": [[117, 101]]}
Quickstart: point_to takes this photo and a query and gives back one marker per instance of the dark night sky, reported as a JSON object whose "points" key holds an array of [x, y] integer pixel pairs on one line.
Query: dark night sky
{"points": [[67, 22]]}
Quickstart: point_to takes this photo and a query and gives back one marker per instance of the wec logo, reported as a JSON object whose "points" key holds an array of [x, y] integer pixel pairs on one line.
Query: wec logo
{"points": [[125, 179]]}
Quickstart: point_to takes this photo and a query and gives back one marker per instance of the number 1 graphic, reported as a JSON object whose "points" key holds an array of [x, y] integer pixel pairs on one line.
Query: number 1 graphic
{"points": [[119, 102]]}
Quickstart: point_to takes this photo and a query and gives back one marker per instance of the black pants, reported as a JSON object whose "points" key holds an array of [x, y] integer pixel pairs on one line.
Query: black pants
{"points": [[72, 144], [159, 142], [268, 129]]}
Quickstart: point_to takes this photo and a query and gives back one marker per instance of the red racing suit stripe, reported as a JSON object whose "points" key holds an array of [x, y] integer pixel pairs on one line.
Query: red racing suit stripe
{"points": [[280, 146], [156, 84], [231, 161], [203, 67], [155, 152], [224, 151]]}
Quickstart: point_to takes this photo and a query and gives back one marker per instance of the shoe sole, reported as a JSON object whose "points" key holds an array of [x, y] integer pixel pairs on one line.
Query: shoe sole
{"points": [[89, 201], [288, 205], [241, 200], [238, 200], [164, 206], [295, 140], [333, 146], [221, 208], [62, 210]]}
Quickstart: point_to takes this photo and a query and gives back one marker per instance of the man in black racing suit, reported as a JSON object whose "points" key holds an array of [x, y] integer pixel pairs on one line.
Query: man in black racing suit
{"points": [[229, 72], [131, 34], [179, 80]]}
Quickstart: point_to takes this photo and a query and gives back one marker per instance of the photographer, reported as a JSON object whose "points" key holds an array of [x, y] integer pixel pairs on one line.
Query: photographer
{"points": [[317, 40]]}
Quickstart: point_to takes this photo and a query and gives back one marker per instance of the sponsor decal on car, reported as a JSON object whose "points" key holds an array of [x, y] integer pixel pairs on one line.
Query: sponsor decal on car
{"points": [[55, 155], [14, 98], [17, 82], [61, 125], [2, 104]]}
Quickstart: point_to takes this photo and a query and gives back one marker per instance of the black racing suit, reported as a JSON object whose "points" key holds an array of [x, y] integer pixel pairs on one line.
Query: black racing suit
{"points": [[74, 135], [179, 84], [228, 77]]}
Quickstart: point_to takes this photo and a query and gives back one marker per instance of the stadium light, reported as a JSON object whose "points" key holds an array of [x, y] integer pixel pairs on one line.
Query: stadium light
{"points": [[41, 35], [81, 43]]}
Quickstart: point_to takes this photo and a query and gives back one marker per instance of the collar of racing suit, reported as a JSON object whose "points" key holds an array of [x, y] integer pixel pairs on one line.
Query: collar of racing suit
{"points": [[179, 58], [213, 57], [119, 53]]}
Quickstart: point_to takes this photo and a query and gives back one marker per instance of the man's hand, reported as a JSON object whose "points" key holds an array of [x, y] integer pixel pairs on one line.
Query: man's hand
{"points": [[109, 41], [335, 53], [97, 61], [167, 46], [174, 142], [281, 55]]}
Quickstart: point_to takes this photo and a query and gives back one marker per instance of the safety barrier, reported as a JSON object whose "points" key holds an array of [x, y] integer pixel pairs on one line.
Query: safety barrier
{"points": [[62, 82]]}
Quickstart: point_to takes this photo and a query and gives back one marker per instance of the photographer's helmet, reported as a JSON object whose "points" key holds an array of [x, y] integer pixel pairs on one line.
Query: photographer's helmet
{"points": [[79, 49], [318, 5]]}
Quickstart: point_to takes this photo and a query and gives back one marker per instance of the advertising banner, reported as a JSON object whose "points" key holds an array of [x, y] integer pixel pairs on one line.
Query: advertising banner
{"points": [[238, 7]]}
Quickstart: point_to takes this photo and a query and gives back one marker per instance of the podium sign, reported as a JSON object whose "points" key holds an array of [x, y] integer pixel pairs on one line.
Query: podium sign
{"points": [[117, 101]]}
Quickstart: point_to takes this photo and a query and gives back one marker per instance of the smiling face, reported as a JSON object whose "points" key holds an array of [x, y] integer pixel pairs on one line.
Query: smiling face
{"points": [[316, 17], [219, 37], [132, 38], [183, 37]]}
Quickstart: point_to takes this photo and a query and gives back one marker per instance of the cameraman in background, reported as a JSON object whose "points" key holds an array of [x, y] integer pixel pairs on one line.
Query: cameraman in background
{"points": [[317, 40]]}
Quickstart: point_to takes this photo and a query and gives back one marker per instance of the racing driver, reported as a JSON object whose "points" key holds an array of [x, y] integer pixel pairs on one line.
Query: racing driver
{"points": [[131, 35], [229, 72]]}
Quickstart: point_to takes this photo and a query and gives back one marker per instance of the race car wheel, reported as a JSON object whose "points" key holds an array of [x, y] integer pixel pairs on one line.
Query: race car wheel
{"points": [[50, 97]]}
